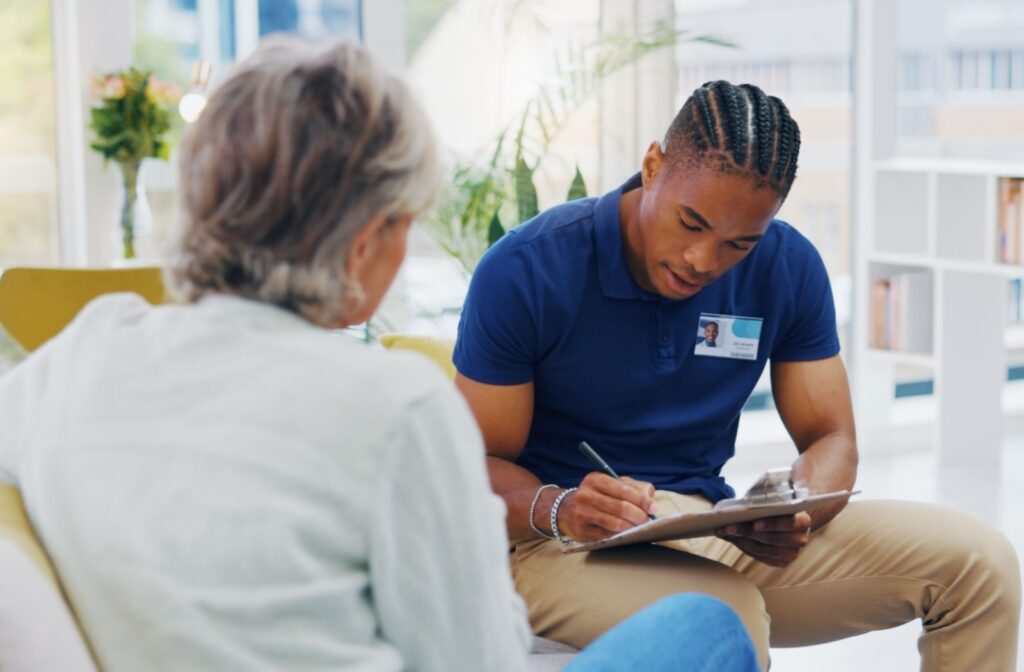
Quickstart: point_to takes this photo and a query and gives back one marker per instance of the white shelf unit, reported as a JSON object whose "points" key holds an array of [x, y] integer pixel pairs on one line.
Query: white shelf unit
{"points": [[937, 221]]}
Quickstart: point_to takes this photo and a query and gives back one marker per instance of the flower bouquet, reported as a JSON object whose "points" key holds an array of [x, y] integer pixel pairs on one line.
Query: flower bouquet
{"points": [[130, 122]]}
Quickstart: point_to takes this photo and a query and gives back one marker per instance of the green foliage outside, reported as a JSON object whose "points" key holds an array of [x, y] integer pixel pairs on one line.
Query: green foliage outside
{"points": [[26, 67], [420, 18], [162, 56], [28, 220], [482, 201]]}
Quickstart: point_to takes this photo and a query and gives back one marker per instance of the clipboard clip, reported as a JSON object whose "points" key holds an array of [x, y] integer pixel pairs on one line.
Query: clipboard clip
{"points": [[775, 486]]}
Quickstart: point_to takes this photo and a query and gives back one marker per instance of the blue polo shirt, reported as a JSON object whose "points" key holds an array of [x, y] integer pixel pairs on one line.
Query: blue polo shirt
{"points": [[553, 302]]}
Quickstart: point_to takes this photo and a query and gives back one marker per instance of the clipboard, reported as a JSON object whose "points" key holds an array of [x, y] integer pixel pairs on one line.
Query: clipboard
{"points": [[771, 495]]}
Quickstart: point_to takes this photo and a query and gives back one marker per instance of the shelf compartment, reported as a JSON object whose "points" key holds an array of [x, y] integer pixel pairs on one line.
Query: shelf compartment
{"points": [[962, 216], [902, 212]]}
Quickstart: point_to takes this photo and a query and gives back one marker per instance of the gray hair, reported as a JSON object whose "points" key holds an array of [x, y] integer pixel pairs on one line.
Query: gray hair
{"points": [[294, 154]]}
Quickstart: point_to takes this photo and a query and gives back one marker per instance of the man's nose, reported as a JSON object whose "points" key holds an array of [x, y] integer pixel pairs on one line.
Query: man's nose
{"points": [[703, 256]]}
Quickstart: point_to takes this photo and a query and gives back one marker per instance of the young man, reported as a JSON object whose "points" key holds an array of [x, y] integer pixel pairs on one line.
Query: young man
{"points": [[710, 337], [581, 325]]}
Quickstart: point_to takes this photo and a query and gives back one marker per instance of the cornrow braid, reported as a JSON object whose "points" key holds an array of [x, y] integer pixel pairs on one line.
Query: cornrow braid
{"points": [[789, 142], [722, 115], [707, 118], [734, 119], [791, 170], [737, 129], [763, 126], [785, 139]]}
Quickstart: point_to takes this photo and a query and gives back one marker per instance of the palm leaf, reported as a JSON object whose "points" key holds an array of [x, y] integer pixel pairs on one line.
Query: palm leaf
{"points": [[526, 193], [578, 189], [495, 230]]}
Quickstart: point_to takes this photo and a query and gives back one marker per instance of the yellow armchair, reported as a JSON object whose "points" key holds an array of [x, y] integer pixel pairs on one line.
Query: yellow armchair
{"points": [[36, 303], [15, 527], [439, 350]]}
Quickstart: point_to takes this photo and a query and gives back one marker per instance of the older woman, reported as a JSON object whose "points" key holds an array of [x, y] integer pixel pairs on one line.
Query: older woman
{"points": [[223, 484]]}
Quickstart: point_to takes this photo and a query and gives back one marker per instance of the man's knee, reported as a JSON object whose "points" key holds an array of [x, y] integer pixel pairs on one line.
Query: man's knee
{"points": [[983, 563], [995, 564]]}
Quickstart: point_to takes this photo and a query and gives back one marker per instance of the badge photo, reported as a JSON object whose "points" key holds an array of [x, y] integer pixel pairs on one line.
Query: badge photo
{"points": [[728, 336]]}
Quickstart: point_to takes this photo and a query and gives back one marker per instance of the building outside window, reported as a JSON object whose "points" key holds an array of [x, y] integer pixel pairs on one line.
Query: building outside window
{"points": [[961, 79]]}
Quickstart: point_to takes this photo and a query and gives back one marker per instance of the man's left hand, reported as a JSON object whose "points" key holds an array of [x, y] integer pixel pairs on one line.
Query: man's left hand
{"points": [[773, 541]]}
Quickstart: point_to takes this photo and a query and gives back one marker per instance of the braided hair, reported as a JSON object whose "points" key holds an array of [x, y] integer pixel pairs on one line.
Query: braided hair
{"points": [[737, 130]]}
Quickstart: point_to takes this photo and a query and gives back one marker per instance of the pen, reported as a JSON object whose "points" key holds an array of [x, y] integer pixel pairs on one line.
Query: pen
{"points": [[601, 465]]}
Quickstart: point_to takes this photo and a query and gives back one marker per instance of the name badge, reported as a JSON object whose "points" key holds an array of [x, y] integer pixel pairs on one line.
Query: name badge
{"points": [[727, 336]]}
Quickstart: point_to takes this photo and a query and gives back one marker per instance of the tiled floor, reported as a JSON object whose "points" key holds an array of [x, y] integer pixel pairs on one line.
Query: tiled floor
{"points": [[912, 475]]}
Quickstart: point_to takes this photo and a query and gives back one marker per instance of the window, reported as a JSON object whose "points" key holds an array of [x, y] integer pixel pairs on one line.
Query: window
{"points": [[167, 38], [915, 73], [312, 19], [172, 35], [168, 41], [961, 88], [474, 66], [1001, 69], [28, 182]]}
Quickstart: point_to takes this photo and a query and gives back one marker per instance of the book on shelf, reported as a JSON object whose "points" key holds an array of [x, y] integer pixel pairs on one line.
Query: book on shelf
{"points": [[1010, 220], [901, 312], [879, 307]]}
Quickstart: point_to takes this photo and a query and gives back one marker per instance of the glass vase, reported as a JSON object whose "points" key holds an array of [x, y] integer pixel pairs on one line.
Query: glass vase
{"points": [[136, 216]]}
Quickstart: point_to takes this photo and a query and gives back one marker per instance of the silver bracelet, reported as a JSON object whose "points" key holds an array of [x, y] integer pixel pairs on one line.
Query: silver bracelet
{"points": [[533, 510], [554, 515]]}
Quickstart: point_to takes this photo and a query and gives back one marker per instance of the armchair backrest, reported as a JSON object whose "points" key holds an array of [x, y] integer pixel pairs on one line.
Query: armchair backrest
{"points": [[36, 303], [439, 350]]}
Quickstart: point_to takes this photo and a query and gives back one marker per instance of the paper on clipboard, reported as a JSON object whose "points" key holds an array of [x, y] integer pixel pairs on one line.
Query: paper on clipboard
{"points": [[772, 495]]}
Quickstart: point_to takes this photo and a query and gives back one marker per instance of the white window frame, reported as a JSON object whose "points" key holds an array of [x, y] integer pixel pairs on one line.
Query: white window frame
{"points": [[89, 36]]}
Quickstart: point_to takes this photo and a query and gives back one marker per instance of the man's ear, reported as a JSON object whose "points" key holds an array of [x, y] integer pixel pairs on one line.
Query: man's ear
{"points": [[654, 161], [363, 247]]}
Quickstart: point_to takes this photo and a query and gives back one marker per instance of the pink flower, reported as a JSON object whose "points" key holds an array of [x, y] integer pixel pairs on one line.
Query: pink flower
{"points": [[109, 87], [113, 88], [162, 93]]}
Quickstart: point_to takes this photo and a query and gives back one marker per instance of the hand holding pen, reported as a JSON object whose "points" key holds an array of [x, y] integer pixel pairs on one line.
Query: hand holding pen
{"points": [[605, 504], [637, 493]]}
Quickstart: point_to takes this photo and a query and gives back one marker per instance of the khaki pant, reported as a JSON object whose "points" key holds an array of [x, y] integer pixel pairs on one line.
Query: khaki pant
{"points": [[877, 565]]}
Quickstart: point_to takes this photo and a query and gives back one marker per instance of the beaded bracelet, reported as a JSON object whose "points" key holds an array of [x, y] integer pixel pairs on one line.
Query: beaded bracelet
{"points": [[554, 515], [533, 509]]}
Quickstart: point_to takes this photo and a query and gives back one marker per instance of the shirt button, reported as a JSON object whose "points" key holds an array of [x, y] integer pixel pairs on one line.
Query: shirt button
{"points": [[664, 337]]}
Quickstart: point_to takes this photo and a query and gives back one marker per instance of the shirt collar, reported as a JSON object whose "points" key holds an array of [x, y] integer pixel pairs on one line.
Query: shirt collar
{"points": [[251, 311], [613, 273]]}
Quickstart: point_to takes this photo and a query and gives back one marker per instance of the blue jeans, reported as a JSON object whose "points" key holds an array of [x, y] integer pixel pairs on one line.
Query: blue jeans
{"points": [[685, 633]]}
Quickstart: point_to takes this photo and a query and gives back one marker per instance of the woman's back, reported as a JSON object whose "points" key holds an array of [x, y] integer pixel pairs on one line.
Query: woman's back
{"points": [[220, 484]]}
